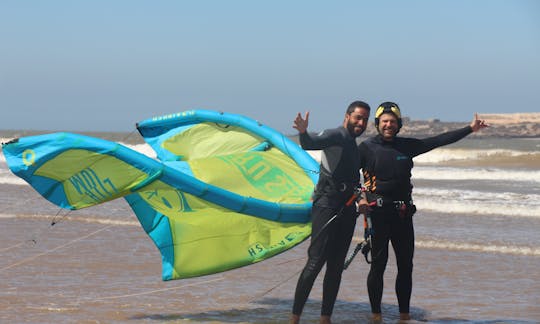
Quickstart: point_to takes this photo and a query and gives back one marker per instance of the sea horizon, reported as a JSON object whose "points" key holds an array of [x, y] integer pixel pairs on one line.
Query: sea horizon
{"points": [[517, 128]]}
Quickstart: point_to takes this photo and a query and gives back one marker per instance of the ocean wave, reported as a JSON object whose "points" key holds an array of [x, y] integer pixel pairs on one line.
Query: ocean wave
{"points": [[477, 203], [454, 173], [6, 177], [142, 148], [480, 157], [12, 180], [5, 139], [468, 208], [454, 246], [473, 158]]}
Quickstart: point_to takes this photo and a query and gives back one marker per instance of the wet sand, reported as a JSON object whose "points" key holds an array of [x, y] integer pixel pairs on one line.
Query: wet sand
{"points": [[89, 272]]}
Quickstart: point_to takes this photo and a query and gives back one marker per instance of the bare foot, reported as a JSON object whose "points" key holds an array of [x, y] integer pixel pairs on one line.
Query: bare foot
{"points": [[325, 319], [404, 316], [376, 317], [295, 319]]}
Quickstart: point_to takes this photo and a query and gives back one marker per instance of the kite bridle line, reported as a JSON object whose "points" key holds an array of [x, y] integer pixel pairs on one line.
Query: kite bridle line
{"points": [[38, 233], [279, 284], [354, 197], [153, 291], [54, 249]]}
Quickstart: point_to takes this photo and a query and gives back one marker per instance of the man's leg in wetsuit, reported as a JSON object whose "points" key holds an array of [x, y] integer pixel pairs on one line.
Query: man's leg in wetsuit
{"points": [[316, 256], [339, 242], [403, 244], [381, 227]]}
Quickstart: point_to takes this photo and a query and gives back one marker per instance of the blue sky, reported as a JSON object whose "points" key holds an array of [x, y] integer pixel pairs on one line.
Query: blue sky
{"points": [[105, 65]]}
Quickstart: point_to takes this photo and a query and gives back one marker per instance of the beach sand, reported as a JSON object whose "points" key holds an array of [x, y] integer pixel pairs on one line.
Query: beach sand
{"points": [[94, 272]]}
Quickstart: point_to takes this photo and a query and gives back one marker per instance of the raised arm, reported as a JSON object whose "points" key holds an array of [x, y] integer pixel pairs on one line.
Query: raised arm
{"points": [[478, 124], [301, 124], [427, 144]]}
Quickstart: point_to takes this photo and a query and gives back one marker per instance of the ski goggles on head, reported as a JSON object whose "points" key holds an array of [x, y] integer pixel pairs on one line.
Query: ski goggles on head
{"points": [[388, 109]]}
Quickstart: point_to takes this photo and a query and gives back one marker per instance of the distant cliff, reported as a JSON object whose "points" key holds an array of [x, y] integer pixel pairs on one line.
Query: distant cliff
{"points": [[501, 125]]}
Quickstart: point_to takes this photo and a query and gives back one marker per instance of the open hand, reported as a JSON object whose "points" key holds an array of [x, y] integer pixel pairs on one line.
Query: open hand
{"points": [[301, 124]]}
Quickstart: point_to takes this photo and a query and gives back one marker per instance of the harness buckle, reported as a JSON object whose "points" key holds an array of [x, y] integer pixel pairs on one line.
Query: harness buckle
{"points": [[380, 202]]}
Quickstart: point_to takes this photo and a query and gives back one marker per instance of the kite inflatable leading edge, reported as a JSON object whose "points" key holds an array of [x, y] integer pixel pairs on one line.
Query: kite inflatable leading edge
{"points": [[224, 192]]}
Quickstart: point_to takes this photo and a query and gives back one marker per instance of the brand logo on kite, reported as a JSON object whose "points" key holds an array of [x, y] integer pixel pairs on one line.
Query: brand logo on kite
{"points": [[173, 116], [261, 174], [258, 249], [88, 183], [168, 202], [28, 157]]}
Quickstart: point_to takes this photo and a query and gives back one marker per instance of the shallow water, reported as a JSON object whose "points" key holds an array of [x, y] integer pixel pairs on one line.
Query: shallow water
{"points": [[91, 272], [476, 261]]}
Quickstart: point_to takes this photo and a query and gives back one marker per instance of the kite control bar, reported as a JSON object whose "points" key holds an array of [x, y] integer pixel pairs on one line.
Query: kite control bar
{"points": [[356, 193], [366, 244]]}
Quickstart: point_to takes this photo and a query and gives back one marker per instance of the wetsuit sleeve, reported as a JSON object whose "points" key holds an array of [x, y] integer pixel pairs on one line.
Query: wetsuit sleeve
{"points": [[428, 144], [362, 151], [310, 141]]}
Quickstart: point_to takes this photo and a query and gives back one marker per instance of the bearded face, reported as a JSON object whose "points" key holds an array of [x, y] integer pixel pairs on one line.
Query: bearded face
{"points": [[356, 121]]}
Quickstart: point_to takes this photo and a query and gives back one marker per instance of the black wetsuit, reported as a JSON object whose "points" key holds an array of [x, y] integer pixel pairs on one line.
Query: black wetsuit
{"points": [[386, 167], [330, 241]]}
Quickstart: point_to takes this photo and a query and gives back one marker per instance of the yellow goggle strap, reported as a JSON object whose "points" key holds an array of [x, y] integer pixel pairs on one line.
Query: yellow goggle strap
{"points": [[383, 109]]}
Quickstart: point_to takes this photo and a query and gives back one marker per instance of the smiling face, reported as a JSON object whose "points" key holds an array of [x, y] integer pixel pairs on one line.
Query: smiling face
{"points": [[388, 126], [356, 121]]}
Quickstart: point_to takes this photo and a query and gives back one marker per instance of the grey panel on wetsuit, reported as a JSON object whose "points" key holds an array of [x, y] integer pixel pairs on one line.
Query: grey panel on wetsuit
{"points": [[330, 158]]}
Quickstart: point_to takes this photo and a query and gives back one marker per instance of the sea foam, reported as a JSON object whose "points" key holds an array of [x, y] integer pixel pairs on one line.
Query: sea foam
{"points": [[477, 202], [476, 173], [477, 155]]}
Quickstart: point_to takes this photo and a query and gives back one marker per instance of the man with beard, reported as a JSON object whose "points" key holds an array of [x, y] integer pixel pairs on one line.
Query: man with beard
{"points": [[339, 177], [386, 162]]}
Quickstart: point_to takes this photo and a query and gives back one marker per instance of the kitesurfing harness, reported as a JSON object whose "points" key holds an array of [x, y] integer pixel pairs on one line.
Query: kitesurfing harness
{"points": [[405, 209], [357, 192]]}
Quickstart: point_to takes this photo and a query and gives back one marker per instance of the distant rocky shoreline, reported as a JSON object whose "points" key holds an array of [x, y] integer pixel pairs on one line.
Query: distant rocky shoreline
{"points": [[501, 125], [515, 125]]}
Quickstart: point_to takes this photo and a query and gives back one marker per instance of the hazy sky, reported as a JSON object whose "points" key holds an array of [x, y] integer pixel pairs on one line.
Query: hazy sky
{"points": [[105, 65]]}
